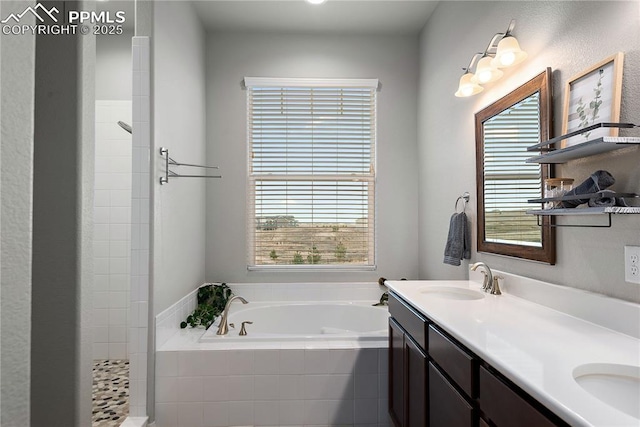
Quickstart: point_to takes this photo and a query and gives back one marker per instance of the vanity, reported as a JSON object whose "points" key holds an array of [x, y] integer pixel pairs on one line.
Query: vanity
{"points": [[538, 355]]}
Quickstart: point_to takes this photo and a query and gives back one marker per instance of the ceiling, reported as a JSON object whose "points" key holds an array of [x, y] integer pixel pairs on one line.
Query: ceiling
{"points": [[298, 16]]}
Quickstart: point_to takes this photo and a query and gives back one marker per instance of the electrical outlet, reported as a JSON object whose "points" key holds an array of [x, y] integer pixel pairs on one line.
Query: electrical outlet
{"points": [[632, 264]]}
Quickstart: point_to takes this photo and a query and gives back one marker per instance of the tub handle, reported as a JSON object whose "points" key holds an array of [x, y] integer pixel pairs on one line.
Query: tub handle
{"points": [[243, 329], [232, 325]]}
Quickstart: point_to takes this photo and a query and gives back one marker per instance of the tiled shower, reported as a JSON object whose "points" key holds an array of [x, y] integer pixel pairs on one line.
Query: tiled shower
{"points": [[112, 232], [112, 263]]}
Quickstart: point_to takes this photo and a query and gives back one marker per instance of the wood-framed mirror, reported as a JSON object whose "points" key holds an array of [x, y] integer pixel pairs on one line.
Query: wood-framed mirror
{"points": [[505, 182]]}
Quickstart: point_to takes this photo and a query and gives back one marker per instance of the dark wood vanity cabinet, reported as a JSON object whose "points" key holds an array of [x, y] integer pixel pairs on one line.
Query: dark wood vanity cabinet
{"points": [[407, 369], [434, 381]]}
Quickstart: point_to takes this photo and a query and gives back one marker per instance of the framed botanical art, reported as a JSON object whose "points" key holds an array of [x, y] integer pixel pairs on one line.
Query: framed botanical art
{"points": [[593, 96]]}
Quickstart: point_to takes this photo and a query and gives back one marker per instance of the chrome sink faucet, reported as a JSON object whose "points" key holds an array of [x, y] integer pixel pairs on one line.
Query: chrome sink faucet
{"points": [[223, 329], [487, 283]]}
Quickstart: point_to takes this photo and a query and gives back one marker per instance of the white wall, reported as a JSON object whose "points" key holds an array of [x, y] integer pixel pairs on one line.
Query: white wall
{"points": [[113, 66], [16, 122], [569, 37], [179, 124], [393, 60], [62, 273]]}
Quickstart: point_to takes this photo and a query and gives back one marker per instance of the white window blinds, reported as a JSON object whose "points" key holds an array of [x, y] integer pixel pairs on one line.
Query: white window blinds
{"points": [[311, 196], [508, 181]]}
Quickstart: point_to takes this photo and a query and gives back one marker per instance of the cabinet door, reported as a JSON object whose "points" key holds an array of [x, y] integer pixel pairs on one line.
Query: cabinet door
{"points": [[447, 407], [416, 378], [396, 373], [505, 408]]}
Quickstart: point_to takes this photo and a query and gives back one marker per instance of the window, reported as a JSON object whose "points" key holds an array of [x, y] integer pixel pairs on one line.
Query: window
{"points": [[311, 196]]}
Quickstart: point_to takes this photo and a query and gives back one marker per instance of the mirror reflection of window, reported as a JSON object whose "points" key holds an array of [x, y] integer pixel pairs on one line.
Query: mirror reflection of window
{"points": [[505, 182], [508, 181]]}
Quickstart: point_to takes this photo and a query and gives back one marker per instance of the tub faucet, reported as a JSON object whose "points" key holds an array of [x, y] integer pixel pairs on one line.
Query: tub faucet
{"points": [[487, 283], [223, 329]]}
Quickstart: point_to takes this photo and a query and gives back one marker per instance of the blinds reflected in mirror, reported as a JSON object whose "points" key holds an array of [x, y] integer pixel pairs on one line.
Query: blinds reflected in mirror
{"points": [[508, 181]]}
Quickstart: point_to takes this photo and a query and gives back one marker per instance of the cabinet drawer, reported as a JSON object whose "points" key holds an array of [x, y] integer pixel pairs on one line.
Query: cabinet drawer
{"points": [[413, 322], [505, 408], [454, 360], [447, 407]]}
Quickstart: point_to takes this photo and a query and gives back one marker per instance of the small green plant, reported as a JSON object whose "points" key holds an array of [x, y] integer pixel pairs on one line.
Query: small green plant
{"points": [[273, 255], [594, 106], [335, 228], [211, 301], [314, 256], [341, 251], [297, 258]]}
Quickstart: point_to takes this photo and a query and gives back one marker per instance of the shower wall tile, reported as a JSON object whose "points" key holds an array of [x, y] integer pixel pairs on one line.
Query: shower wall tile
{"points": [[112, 236]]}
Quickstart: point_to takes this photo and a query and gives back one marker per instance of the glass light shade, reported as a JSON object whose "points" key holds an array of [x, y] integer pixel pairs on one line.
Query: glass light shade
{"points": [[486, 72], [467, 87], [508, 53], [316, 1]]}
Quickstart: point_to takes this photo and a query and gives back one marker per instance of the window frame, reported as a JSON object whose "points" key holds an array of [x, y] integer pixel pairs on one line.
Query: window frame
{"points": [[253, 179]]}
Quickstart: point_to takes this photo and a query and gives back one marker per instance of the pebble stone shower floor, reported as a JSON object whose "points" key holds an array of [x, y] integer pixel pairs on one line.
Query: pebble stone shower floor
{"points": [[110, 392]]}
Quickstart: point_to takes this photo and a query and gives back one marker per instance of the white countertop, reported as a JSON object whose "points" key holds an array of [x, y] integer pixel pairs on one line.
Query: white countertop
{"points": [[533, 345]]}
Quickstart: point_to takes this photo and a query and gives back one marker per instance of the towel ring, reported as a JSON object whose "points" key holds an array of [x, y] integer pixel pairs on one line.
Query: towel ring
{"points": [[465, 200]]}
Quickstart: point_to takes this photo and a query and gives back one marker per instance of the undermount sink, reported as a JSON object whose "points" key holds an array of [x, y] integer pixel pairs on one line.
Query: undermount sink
{"points": [[453, 293], [616, 385]]}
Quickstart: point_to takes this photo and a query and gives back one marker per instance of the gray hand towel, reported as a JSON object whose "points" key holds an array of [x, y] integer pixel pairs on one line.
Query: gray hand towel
{"points": [[607, 198], [604, 198], [599, 180], [458, 241]]}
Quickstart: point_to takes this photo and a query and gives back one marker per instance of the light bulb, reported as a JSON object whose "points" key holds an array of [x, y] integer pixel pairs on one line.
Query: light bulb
{"points": [[486, 72], [484, 76], [467, 90], [507, 59], [467, 87], [509, 53]]}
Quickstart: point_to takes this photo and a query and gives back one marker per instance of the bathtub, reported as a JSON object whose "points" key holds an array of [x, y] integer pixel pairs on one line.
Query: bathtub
{"points": [[316, 354], [295, 321]]}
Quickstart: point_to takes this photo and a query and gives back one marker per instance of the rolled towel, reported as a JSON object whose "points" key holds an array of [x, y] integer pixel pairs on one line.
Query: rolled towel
{"points": [[599, 180], [604, 198]]}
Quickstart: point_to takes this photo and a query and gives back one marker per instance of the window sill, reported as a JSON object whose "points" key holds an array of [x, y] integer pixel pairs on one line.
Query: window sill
{"points": [[310, 268]]}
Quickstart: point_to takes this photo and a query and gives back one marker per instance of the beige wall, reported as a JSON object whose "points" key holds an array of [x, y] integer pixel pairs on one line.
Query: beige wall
{"points": [[393, 60], [178, 124], [568, 37], [16, 120]]}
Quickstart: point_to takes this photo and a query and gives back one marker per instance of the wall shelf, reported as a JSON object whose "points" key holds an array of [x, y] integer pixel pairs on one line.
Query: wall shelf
{"points": [[610, 210], [595, 146], [587, 211], [590, 148]]}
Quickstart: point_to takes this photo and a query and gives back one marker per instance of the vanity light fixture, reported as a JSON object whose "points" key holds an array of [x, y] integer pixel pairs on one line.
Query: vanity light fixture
{"points": [[503, 51], [316, 1]]}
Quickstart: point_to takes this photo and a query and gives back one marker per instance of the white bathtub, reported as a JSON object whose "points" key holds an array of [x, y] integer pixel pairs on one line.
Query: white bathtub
{"points": [[294, 321]]}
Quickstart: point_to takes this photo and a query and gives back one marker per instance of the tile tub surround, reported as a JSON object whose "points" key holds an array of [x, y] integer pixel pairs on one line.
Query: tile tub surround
{"points": [[280, 383], [279, 387]]}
